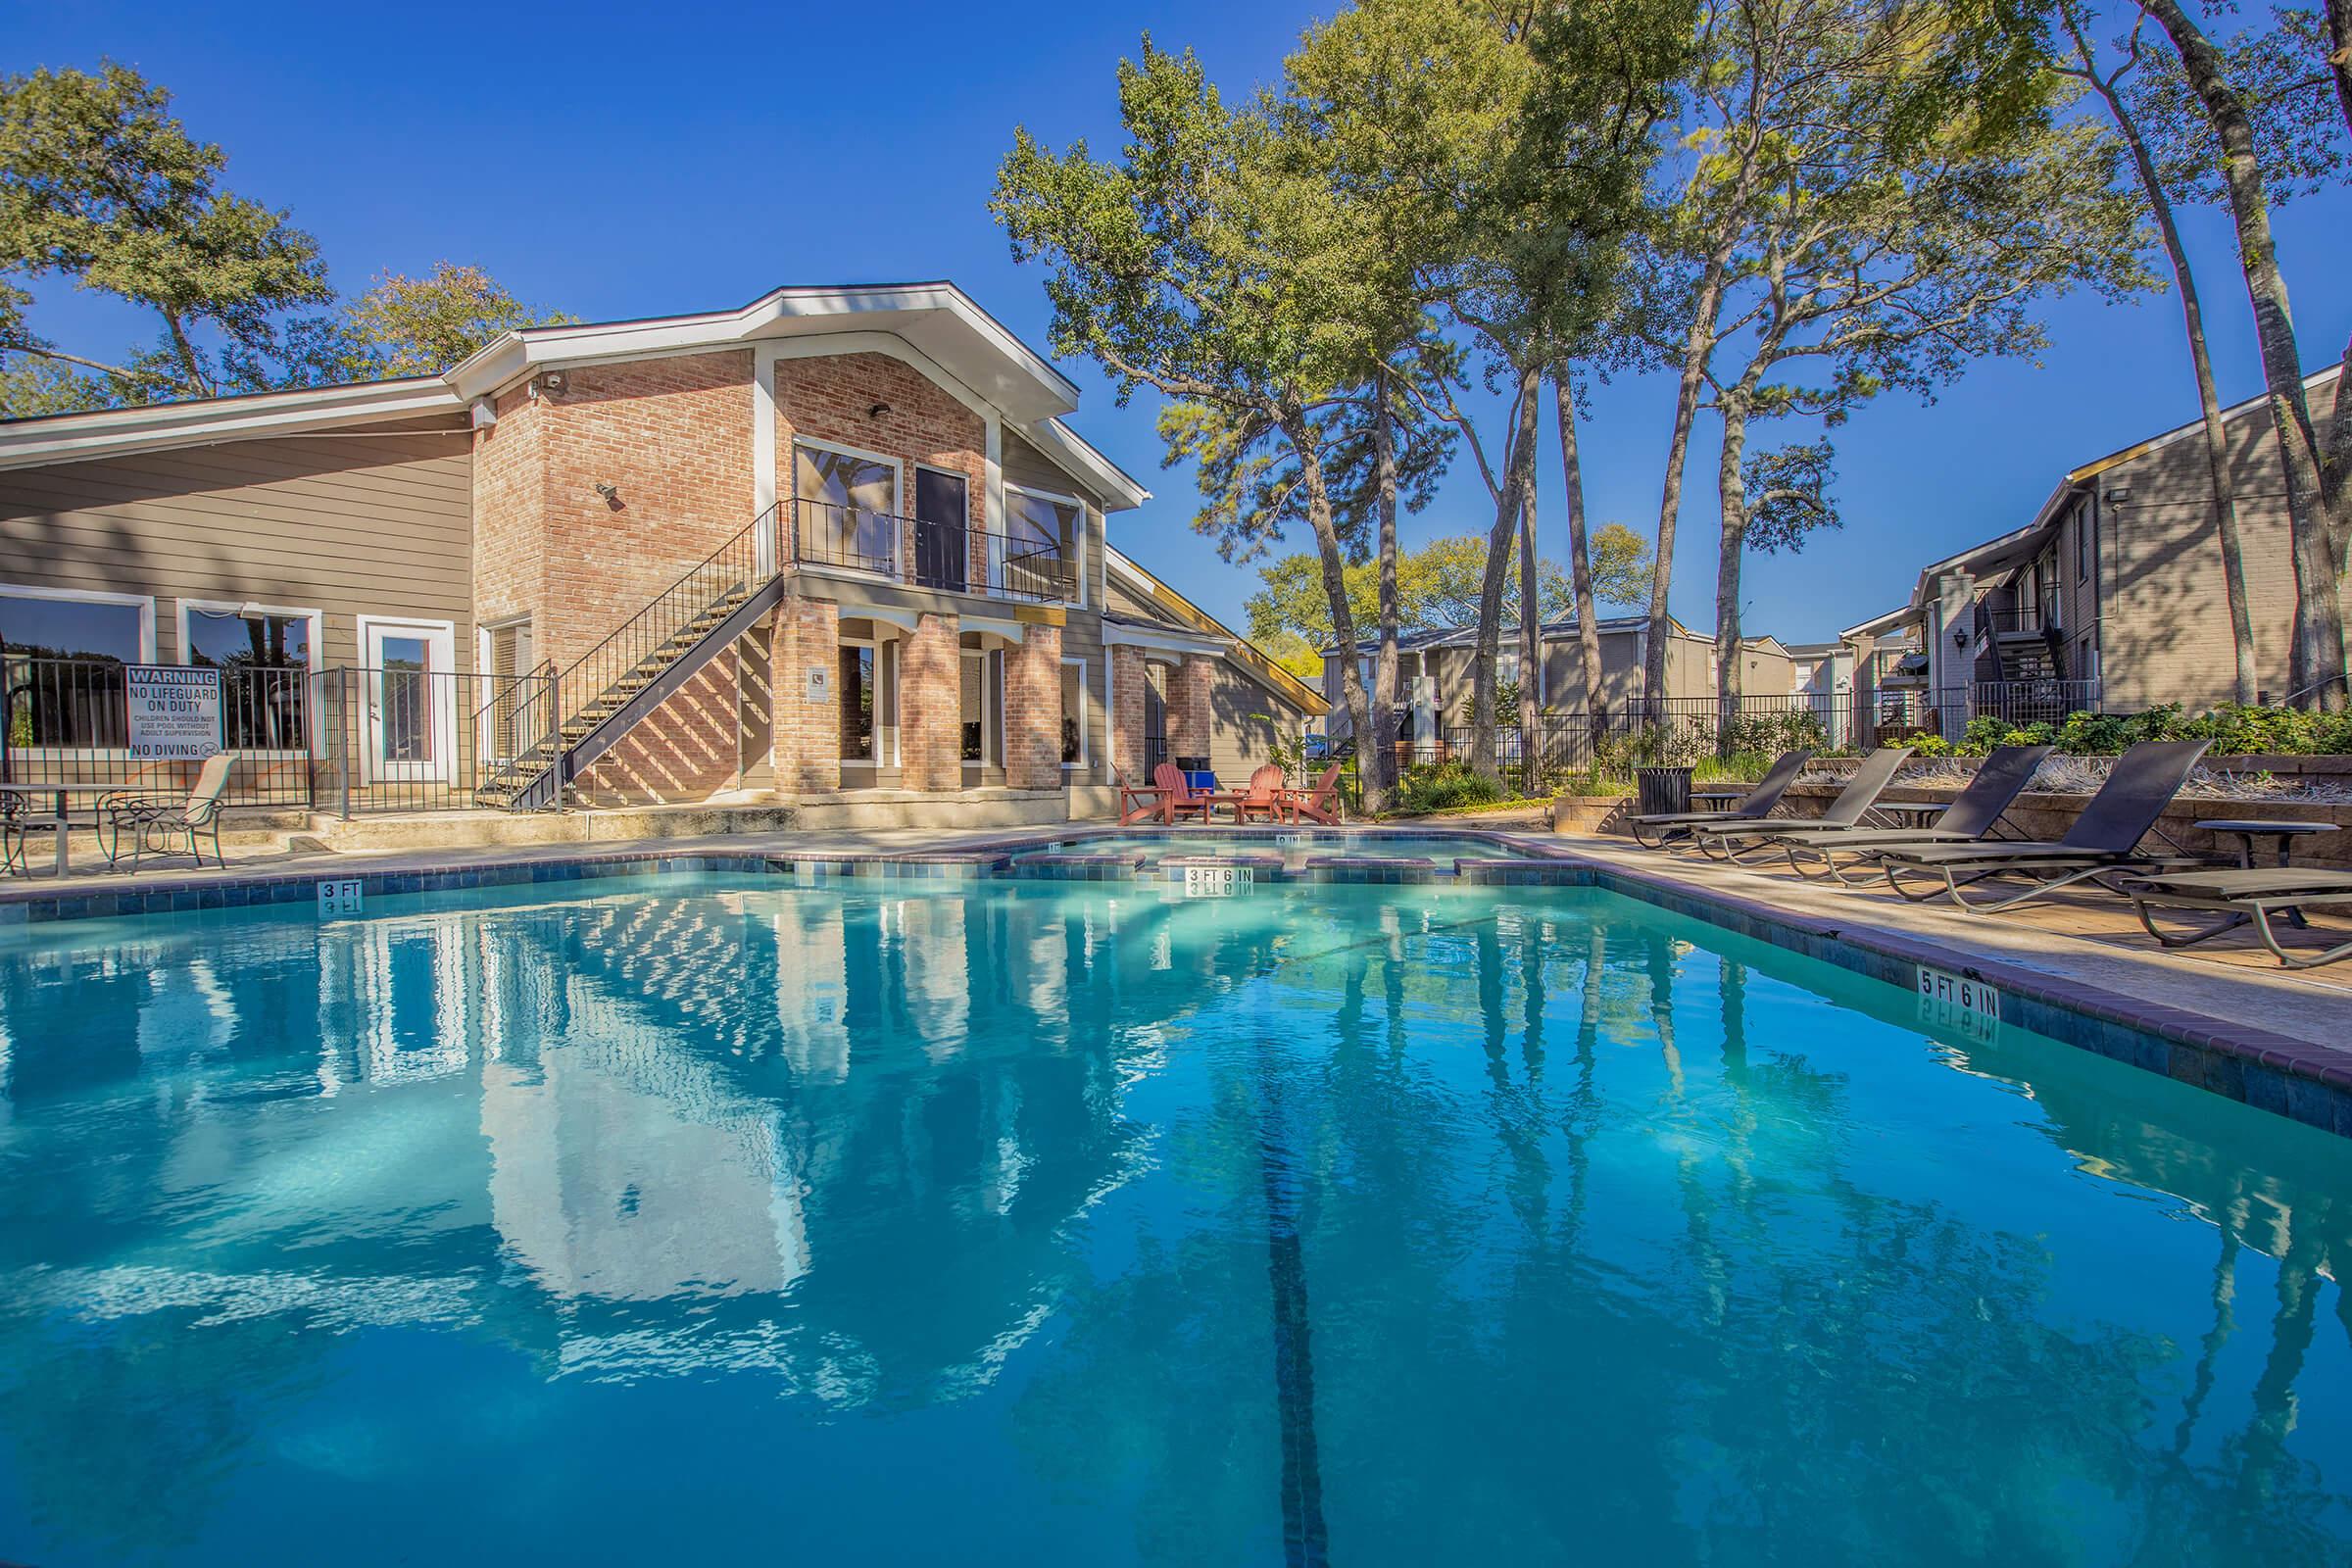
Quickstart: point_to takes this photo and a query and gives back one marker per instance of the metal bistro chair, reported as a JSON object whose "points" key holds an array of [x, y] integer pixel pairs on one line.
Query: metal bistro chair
{"points": [[158, 823]]}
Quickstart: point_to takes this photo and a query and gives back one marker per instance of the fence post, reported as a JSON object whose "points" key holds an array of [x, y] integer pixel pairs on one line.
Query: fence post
{"points": [[343, 740]]}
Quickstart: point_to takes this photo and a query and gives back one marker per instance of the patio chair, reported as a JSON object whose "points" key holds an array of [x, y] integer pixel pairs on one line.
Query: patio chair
{"points": [[1320, 803], [157, 822], [1135, 804], [1973, 814], [1177, 797], [1263, 798], [1862, 789], [2241, 897], [1756, 803], [2104, 840]]}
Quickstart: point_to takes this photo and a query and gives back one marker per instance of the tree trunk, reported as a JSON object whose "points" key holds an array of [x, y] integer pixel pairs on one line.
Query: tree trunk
{"points": [[1518, 463], [1382, 772], [1334, 578], [1531, 617], [2248, 679], [1732, 486], [2315, 670], [2339, 60], [1580, 549]]}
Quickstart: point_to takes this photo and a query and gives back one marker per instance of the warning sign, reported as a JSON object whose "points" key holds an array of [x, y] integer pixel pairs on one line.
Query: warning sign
{"points": [[175, 711]]}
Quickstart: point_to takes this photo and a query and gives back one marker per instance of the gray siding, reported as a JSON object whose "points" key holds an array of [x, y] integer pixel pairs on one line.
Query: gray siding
{"points": [[375, 524], [1246, 720]]}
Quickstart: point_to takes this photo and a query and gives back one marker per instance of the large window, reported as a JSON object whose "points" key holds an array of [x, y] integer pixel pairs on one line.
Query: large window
{"points": [[265, 662], [64, 668], [848, 512], [1042, 534], [983, 707]]}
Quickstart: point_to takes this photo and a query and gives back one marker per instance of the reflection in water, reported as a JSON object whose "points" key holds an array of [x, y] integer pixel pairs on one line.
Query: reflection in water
{"points": [[1390, 1228]]}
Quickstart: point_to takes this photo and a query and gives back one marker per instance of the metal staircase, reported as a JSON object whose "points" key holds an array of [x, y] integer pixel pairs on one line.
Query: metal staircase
{"points": [[601, 696]]}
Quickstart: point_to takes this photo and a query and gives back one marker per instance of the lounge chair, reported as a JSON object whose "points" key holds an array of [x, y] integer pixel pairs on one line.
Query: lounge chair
{"points": [[1263, 798], [2104, 840], [2240, 896], [1863, 788], [1973, 814], [1755, 803], [1319, 803], [159, 823], [1177, 797], [1135, 804]]}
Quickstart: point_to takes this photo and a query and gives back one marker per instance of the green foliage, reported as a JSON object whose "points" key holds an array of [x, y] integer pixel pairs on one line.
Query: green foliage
{"points": [[101, 187], [2236, 730], [1444, 786], [424, 325]]}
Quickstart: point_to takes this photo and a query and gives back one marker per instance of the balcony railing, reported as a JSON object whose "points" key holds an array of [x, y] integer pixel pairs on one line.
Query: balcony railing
{"points": [[2025, 619], [930, 555]]}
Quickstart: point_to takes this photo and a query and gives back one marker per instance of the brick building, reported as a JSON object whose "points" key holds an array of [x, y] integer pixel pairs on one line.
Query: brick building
{"points": [[836, 549]]}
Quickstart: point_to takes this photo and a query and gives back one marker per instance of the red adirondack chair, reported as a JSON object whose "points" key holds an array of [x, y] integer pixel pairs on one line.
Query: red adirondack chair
{"points": [[1135, 804], [1320, 804], [1263, 800], [1177, 794]]}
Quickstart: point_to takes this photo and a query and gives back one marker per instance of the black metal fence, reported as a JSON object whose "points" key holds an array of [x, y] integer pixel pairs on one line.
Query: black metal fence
{"points": [[67, 723], [398, 739], [931, 555]]}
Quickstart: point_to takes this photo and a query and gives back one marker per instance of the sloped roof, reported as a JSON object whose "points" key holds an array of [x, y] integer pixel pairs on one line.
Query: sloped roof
{"points": [[1152, 604]]}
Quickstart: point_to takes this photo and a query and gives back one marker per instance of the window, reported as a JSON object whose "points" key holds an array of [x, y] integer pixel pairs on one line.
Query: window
{"points": [[2086, 520], [848, 507], [858, 707], [1073, 712], [64, 668], [1042, 532], [265, 658], [983, 684], [1156, 715]]}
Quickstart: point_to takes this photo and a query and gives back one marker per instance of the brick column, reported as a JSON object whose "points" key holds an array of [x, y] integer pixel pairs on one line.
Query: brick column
{"points": [[805, 744], [1190, 719], [1032, 710], [1127, 712], [931, 706]]}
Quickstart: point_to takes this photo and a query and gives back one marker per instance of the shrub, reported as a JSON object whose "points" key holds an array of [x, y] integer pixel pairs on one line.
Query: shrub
{"points": [[1442, 786]]}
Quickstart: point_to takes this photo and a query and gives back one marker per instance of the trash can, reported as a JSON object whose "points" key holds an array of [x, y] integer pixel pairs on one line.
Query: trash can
{"points": [[1658, 790]]}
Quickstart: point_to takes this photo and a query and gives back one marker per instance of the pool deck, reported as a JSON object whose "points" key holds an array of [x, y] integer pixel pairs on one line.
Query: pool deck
{"points": [[2080, 944]]}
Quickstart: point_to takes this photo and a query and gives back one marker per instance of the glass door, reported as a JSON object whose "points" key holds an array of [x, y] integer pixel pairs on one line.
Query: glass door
{"points": [[409, 728], [942, 548]]}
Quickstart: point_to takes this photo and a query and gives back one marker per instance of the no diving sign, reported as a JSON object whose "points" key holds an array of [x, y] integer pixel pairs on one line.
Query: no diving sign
{"points": [[175, 711]]}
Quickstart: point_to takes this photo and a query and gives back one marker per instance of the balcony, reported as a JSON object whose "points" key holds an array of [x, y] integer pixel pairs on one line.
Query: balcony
{"points": [[943, 557], [2034, 618]]}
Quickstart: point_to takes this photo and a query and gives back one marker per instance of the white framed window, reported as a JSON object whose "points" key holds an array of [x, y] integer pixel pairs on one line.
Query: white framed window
{"points": [[866, 683], [266, 654], [983, 708], [1047, 531], [845, 506], [66, 648], [514, 712], [1074, 752]]}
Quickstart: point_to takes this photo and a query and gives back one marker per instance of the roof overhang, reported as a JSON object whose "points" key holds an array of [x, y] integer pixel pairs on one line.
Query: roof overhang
{"points": [[1067, 448], [207, 422], [937, 319], [1881, 625], [1161, 639]]}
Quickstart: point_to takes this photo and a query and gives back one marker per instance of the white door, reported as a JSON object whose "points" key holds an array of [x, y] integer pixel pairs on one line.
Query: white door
{"points": [[410, 691]]}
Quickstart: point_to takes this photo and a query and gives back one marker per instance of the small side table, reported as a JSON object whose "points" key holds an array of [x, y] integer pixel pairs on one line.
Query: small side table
{"points": [[2247, 829], [1717, 800], [1914, 813]]}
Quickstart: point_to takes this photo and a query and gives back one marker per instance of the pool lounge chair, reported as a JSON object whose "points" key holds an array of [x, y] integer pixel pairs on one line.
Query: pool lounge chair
{"points": [[1863, 788], [1320, 804], [160, 825], [2241, 897], [1973, 814], [2104, 840], [1759, 803], [1177, 797]]}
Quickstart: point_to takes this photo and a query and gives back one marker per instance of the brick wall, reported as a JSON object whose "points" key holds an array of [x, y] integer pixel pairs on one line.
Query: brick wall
{"points": [[807, 746], [1032, 710], [509, 477], [931, 706], [1192, 713], [684, 750], [1127, 712], [829, 399]]}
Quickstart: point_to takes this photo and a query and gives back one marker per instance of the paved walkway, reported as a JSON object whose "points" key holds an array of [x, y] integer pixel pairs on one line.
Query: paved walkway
{"points": [[2088, 939]]}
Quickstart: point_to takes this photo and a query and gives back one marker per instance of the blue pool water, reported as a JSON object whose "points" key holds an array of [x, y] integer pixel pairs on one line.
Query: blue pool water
{"points": [[661, 1221], [1301, 844]]}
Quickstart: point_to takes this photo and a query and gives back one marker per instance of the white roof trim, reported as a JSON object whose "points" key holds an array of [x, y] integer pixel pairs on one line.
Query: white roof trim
{"points": [[1901, 615], [1012, 631], [939, 319], [1166, 639], [1073, 452], [205, 421]]}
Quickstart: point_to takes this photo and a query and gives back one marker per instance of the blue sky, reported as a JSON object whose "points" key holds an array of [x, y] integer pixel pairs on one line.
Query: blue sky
{"points": [[611, 169]]}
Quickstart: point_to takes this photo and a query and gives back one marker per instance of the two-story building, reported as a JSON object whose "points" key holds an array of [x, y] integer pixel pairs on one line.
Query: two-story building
{"points": [[2111, 598], [837, 549]]}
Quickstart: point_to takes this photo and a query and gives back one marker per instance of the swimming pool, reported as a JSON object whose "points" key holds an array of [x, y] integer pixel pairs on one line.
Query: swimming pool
{"points": [[1296, 846], [663, 1217]]}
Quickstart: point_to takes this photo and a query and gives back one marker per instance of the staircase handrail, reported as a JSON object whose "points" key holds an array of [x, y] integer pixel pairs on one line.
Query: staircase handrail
{"points": [[572, 679]]}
